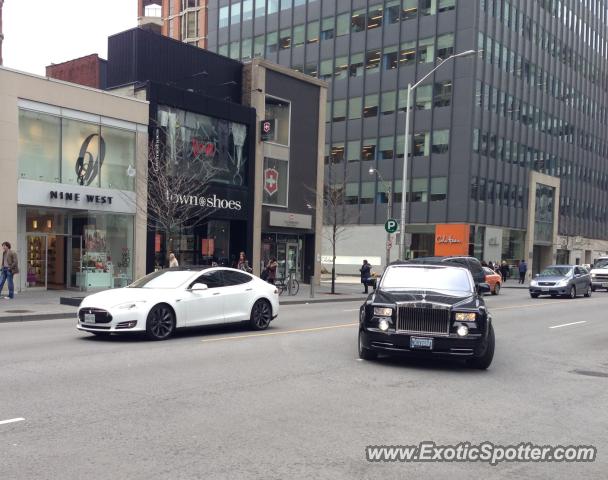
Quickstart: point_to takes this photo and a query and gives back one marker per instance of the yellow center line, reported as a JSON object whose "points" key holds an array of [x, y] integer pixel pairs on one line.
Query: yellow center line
{"points": [[285, 332]]}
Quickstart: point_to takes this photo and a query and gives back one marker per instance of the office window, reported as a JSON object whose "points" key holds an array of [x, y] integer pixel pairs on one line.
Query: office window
{"points": [[474, 188], [419, 193], [447, 5], [246, 49], [339, 113], [443, 93], [355, 107], [393, 11], [439, 189], [223, 50], [235, 50], [476, 140], [341, 68], [421, 144], [312, 32], [343, 24], [386, 148], [273, 6], [286, 4], [298, 35], [367, 192], [402, 100], [247, 10], [445, 45], [235, 13], [258, 46], [357, 64], [410, 9], [372, 61], [337, 152], [374, 17], [326, 69], [357, 21], [285, 39], [424, 97], [428, 7], [370, 108], [224, 17], [390, 58], [353, 152], [271, 42], [368, 151], [260, 8], [351, 194], [407, 53], [387, 102], [441, 141], [426, 50], [328, 26], [297, 3]]}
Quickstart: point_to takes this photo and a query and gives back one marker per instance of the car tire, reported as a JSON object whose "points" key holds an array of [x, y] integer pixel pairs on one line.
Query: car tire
{"points": [[572, 292], [496, 290], [588, 292], [593, 289], [160, 323], [534, 295], [365, 353], [483, 361], [261, 315]]}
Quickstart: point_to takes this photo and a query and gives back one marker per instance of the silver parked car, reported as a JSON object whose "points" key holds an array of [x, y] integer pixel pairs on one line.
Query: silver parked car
{"points": [[564, 280]]}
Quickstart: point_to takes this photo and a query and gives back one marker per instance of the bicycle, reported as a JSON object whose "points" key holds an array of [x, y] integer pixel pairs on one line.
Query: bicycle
{"points": [[291, 285]]}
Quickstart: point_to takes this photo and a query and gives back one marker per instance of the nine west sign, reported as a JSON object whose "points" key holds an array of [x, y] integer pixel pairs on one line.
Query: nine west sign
{"points": [[75, 197]]}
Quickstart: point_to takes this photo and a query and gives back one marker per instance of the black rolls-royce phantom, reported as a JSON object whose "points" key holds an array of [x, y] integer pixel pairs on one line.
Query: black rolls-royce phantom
{"points": [[431, 310]]}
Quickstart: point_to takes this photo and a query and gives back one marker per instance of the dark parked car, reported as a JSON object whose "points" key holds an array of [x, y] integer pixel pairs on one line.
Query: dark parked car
{"points": [[564, 280], [470, 263], [429, 310]]}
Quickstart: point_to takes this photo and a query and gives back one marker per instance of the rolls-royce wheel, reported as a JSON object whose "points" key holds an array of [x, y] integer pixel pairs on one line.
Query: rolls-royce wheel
{"points": [[160, 323], [261, 315], [534, 295], [483, 361], [365, 353], [496, 290], [592, 288], [588, 292]]}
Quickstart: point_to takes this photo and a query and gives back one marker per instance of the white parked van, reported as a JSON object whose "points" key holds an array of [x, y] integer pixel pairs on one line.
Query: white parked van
{"points": [[599, 274]]}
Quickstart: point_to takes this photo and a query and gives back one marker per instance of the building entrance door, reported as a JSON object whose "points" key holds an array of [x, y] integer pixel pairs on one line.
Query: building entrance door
{"points": [[52, 261], [36, 258], [291, 260]]}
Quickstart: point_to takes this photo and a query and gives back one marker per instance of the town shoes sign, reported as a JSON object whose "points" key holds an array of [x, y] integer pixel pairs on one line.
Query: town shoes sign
{"points": [[210, 201]]}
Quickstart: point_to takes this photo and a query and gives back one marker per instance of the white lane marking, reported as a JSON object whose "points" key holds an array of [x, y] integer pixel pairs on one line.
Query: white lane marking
{"points": [[568, 324], [12, 420]]}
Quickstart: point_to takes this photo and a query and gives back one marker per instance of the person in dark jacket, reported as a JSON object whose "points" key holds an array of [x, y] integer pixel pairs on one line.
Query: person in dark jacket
{"points": [[365, 270], [9, 268], [271, 270], [523, 268], [504, 271]]}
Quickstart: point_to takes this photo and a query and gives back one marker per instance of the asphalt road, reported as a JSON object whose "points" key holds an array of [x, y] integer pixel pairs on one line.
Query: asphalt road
{"points": [[295, 401]]}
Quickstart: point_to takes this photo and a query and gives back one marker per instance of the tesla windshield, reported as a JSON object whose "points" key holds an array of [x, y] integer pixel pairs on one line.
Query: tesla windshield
{"points": [[424, 278], [163, 279]]}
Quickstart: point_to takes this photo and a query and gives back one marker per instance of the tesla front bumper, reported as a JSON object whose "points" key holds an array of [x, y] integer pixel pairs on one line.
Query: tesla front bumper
{"points": [[91, 319]]}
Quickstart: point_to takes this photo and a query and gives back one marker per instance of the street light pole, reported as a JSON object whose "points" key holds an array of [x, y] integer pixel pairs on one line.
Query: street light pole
{"points": [[389, 211], [406, 145]]}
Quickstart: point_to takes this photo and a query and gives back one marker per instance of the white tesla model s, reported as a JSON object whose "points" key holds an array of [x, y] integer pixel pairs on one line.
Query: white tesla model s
{"points": [[159, 303]]}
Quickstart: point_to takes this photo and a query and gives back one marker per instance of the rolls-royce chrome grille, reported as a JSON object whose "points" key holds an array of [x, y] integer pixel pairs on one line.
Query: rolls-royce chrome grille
{"points": [[423, 319]]}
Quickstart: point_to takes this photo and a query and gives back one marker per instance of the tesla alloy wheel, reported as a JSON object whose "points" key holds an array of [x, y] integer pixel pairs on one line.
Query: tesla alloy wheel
{"points": [[261, 315], [160, 324]]}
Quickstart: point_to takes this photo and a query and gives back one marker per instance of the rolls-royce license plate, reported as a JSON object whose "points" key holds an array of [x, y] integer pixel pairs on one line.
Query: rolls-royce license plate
{"points": [[89, 318], [421, 343]]}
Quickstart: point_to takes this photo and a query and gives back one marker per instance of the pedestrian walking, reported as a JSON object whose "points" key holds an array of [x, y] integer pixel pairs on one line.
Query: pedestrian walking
{"points": [[504, 271], [243, 263], [10, 267], [365, 270], [172, 260], [271, 270], [523, 268]]}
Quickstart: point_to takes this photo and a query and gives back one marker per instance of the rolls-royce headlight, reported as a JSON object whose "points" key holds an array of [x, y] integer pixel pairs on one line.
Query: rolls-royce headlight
{"points": [[383, 311], [465, 317], [533, 283], [383, 324]]}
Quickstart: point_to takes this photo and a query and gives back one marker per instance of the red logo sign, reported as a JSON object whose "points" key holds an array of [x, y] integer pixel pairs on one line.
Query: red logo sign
{"points": [[200, 147], [266, 127], [271, 181]]}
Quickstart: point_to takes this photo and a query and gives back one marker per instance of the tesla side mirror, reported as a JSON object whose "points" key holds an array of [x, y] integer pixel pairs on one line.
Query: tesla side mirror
{"points": [[483, 288], [198, 287]]}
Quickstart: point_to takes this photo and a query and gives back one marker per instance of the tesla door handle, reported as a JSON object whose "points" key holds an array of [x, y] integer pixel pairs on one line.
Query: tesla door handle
{"points": [[248, 289], [216, 293]]}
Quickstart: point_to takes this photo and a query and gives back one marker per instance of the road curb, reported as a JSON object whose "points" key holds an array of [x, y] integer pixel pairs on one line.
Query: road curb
{"points": [[321, 300], [33, 318]]}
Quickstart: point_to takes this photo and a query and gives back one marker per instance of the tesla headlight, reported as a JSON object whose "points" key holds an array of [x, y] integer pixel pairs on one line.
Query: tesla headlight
{"points": [[383, 325], [383, 311], [465, 317], [130, 305]]}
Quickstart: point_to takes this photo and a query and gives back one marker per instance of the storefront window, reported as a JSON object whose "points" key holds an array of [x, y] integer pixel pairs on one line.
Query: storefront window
{"points": [[39, 146], [120, 155], [192, 136], [276, 179], [82, 153], [543, 215]]}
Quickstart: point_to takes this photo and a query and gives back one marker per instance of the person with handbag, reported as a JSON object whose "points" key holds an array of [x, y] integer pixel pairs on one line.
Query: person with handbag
{"points": [[243, 263], [365, 270], [271, 270], [10, 267]]}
